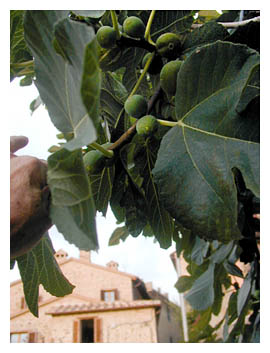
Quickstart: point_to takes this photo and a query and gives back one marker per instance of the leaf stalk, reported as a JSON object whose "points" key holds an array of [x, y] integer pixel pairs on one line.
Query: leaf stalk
{"points": [[115, 24], [142, 75], [168, 123], [103, 150], [147, 35]]}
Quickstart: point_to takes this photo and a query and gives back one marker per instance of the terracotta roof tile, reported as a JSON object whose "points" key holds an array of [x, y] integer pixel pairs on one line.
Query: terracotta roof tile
{"points": [[102, 306]]}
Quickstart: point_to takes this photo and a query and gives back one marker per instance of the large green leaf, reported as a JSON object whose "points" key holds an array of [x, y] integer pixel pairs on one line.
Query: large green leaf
{"points": [[91, 82], [72, 209], [193, 168], [138, 158], [120, 233], [101, 186], [134, 203], [178, 21], [58, 45], [20, 56], [184, 283], [112, 97], [90, 13], [118, 190], [201, 294], [37, 267], [209, 32], [199, 251]]}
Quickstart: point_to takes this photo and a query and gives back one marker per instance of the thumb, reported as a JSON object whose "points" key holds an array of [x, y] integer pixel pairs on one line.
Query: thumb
{"points": [[17, 142]]}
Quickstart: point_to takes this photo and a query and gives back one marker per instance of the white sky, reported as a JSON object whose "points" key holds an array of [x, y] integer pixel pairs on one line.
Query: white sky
{"points": [[139, 256]]}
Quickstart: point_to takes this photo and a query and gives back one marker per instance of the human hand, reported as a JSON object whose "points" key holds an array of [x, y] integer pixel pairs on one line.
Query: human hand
{"points": [[29, 199]]}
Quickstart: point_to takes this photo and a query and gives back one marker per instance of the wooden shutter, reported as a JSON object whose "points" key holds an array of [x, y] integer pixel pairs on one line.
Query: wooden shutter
{"points": [[98, 330], [22, 303], [76, 328], [102, 295], [33, 337], [117, 297]]}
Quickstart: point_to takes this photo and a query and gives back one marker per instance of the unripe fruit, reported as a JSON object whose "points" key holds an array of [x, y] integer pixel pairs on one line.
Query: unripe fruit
{"points": [[106, 37], [147, 125], [155, 66], [136, 106], [134, 27], [168, 76], [94, 161], [169, 45]]}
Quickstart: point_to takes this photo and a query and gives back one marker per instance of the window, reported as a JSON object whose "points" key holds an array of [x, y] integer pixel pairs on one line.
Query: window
{"points": [[22, 337], [87, 330], [109, 295], [168, 313]]}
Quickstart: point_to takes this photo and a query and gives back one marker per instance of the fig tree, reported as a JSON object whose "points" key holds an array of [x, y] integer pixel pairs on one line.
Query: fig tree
{"points": [[168, 76], [134, 27], [136, 106], [156, 64], [106, 37], [169, 45], [147, 125]]}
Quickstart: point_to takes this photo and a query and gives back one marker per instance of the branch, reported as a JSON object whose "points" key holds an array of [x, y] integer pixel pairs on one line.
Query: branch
{"points": [[231, 24], [123, 137], [154, 98], [139, 43]]}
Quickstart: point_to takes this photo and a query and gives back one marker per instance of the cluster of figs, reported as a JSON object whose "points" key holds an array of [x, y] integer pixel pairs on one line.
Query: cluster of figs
{"points": [[167, 46]]}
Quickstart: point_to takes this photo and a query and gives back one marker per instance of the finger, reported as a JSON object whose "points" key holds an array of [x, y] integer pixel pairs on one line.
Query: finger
{"points": [[256, 216], [17, 142]]}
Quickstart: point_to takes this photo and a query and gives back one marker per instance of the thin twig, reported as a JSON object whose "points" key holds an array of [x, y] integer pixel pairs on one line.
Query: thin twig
{"points": [[154, 98], [123, 137], [231, 24]]}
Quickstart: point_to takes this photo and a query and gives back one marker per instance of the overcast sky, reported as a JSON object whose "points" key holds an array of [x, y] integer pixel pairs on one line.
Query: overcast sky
{"points": [[139, 256]]}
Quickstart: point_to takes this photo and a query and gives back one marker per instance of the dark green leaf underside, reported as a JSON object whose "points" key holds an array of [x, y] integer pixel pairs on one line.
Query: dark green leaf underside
{"points": [[72, 210], [58, 77]]}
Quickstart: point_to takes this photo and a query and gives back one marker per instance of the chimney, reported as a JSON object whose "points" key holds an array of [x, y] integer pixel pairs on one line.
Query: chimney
{"points": [[85, 255], [112, 265], [60, 255], [149, 286]]}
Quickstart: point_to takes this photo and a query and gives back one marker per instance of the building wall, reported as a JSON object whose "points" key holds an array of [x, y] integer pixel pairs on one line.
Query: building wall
{"points": [[125, 326], [169, 328], [43, 325], [89, 280], [135, 325]]}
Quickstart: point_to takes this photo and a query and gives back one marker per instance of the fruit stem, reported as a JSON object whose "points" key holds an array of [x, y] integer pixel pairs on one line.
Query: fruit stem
{"points": [[103, 150], [145, 69], [168, 123], [148, 27], [115, 24]]}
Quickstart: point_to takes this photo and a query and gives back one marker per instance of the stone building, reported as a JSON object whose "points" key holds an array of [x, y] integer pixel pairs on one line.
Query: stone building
{"points": [[107, 305]]}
